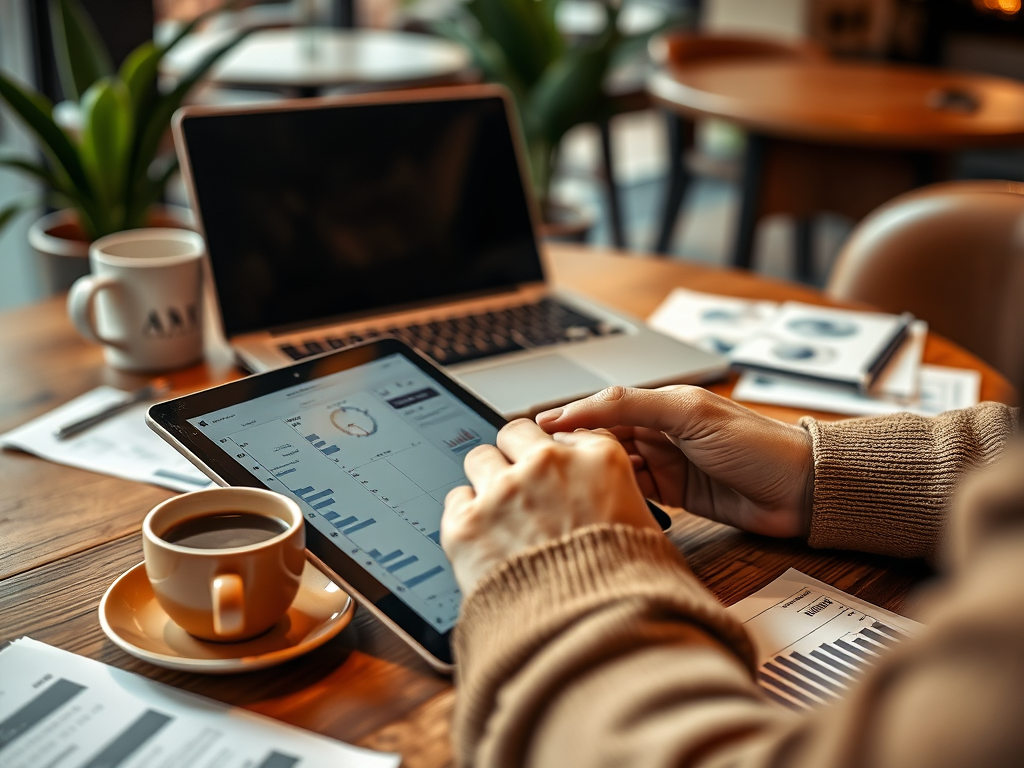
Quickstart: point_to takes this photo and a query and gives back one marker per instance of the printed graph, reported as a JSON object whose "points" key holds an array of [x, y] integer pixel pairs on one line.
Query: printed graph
{"points": [[817, 675]]}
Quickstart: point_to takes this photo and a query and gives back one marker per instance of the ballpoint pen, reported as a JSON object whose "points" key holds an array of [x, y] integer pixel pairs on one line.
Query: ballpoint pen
{"points": [[153, 390]]}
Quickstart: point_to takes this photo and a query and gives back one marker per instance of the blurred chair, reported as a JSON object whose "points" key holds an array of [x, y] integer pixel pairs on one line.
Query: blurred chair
{"points": [[679, 50], [952, 254]]}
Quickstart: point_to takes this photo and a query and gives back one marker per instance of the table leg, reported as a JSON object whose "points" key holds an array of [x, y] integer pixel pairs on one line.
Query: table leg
{"points": [[803, 250], [750, 201], [611, 189], [679, 178]]}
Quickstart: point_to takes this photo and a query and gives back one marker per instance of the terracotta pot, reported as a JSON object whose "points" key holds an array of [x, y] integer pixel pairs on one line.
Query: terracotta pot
{"points": [[565, 223], [63, 249]]}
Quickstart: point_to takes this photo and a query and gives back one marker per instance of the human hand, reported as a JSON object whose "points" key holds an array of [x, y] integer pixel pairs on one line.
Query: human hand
{"points": [[693, 449], [529, 490]]}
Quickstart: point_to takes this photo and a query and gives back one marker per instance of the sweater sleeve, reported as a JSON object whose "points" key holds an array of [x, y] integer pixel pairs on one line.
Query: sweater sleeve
{"points": [[884, 484], [602, 649]]}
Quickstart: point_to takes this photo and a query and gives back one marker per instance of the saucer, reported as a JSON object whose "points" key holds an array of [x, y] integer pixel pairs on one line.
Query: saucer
{"points": [[133, 619]]}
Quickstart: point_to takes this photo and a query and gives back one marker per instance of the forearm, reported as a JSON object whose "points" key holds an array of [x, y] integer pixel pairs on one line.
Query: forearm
{"points": [[884, 484]]}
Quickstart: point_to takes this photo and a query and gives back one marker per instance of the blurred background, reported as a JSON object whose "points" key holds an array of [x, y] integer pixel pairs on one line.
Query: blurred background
{"points": [[629, 148]]}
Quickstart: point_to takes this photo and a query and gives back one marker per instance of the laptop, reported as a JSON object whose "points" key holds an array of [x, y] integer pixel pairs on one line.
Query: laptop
{"points": [[333, 221]]}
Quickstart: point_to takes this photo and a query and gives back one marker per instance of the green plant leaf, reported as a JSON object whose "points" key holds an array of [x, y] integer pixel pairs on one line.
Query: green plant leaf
{"points": [[106, 145], [159, 118], [27, 167], [487, 54], [139, 73], [36, 113], [82, 58], [189, 28], [10, 211], [524, 30]]}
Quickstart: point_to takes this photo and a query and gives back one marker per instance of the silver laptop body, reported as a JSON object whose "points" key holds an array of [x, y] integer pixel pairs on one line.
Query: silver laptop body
{"points": [[223, 151]]}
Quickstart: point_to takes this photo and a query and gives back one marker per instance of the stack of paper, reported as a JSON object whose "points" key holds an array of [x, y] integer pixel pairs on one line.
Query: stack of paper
{"points": [[722, 323], [57, 708]]}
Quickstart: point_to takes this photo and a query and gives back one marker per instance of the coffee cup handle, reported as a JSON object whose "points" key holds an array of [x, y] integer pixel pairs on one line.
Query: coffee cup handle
{"points": [[228, 604], [82, 306]]}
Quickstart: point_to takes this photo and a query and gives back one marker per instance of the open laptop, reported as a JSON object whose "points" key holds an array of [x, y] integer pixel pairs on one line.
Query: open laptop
{"points": [[332, 221]]}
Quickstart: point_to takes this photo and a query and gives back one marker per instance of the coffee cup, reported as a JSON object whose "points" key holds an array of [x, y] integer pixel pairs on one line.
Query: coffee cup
{"points": [[143, 300], [225, 563]]}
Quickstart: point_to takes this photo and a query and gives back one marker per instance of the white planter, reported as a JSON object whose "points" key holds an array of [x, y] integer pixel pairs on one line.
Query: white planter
{"points": [[64, 253]]}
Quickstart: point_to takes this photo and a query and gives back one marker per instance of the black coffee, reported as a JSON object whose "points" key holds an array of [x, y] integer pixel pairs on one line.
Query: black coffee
{"points": [[224, 530]]}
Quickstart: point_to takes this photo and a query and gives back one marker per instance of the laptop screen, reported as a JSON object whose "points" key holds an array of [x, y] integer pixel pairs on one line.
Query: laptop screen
{"points": [[311, 214]]}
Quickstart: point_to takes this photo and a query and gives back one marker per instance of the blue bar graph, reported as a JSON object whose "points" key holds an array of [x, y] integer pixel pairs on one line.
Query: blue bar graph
{"points": [[312, 438], [359, 526], [343, 523], [328, 516], [286, 472], [376, 555], [321, 445], [330, 449], [424, 576], [435, 537], [323, 504], [320, 495], [300, 492], [402, 563]]}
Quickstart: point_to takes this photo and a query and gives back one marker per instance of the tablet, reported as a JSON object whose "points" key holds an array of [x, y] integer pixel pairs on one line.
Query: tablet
{"points": [[368, 440]]}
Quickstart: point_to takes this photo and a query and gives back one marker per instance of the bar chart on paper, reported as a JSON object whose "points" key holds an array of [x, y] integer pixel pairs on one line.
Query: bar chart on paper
{"points": [[814, 641]]}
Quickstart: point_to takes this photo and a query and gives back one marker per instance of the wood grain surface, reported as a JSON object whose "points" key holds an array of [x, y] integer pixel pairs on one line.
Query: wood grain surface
{"points": [[65, 535], [859, 104]]}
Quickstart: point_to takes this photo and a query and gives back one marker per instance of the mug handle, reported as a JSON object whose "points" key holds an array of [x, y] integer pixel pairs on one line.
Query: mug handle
{"points": [[82, 306], [228, 598]]}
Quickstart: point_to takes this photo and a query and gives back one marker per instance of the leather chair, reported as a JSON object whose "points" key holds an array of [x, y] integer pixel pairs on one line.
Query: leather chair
{"points": [[952, 254]]}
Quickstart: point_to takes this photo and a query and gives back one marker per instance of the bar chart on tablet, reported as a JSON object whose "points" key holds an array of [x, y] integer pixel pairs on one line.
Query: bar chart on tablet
{"points": [[373, 468], [813, 641]]}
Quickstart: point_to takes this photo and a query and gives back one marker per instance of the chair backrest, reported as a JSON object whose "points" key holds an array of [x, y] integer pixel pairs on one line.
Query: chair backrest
{"points": [[681, 48], [952, 254]]}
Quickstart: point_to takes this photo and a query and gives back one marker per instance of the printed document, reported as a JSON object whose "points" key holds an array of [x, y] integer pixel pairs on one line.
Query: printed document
{"points": [[813, 641], [66, 711], [122, 446]]}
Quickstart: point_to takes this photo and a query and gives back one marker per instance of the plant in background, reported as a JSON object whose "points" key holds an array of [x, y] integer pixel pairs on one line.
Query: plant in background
{"points": [[556, 83], [110, 170]]}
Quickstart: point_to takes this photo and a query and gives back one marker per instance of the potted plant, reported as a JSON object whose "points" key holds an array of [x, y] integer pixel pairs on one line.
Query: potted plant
{"points": [[104, 163], [556, 83]]}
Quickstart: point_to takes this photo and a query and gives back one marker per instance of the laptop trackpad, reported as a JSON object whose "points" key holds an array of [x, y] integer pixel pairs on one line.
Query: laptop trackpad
{"points": [[518, 387]]}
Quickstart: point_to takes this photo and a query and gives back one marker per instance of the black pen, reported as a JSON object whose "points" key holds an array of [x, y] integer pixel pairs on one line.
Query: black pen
{"points": [[151, 391]]}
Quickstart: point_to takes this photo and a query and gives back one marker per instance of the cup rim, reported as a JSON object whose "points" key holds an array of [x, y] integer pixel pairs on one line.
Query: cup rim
{"points": [[193, 239], [293, 528]]}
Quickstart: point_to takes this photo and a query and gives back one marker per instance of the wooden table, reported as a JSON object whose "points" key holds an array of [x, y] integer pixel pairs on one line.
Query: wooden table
{"points": [[305, 61], [842, 137], [67, 534]]}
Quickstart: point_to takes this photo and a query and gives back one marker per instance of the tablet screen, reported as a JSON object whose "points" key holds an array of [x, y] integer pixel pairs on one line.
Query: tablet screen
{"points": [[369, 453]]}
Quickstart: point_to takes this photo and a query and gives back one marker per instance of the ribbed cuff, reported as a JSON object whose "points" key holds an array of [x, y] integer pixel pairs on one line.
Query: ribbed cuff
{"points": [[529, 600], [884, 484]]}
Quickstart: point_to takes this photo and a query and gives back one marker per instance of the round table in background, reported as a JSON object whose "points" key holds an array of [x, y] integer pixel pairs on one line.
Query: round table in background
{"points": [[840, 136], [306, 61]]}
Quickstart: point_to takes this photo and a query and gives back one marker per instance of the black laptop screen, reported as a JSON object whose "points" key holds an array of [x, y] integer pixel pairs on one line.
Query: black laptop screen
{"points": [[311, 214]]}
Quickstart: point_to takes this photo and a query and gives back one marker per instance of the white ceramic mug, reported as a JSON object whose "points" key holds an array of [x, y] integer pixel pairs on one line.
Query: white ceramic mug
{"points": [[225, 594], [143, 300]]}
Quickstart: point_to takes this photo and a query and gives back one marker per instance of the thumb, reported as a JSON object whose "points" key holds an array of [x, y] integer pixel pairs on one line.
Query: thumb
{"points": [[681, 411]]}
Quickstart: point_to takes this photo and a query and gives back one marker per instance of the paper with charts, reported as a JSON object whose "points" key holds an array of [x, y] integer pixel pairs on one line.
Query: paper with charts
{"points": [[64, 710], [814, 641]]}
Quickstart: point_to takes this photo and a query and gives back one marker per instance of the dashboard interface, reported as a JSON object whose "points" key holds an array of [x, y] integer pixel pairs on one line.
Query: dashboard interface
{"points": [[369, 453]]}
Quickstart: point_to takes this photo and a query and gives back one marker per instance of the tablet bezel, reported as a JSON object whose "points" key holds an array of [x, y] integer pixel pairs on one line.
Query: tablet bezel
{"points": [[170, 420]]}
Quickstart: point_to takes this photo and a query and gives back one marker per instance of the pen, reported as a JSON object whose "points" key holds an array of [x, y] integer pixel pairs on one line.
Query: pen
{"points": [[151, 391]]}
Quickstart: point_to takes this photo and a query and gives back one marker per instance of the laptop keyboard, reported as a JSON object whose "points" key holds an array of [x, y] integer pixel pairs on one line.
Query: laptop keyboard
{"points": [[472, 337]]}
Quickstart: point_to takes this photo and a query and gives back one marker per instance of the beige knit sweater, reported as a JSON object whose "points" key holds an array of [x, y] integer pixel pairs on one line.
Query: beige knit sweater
{"points": [[602, 649]]}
